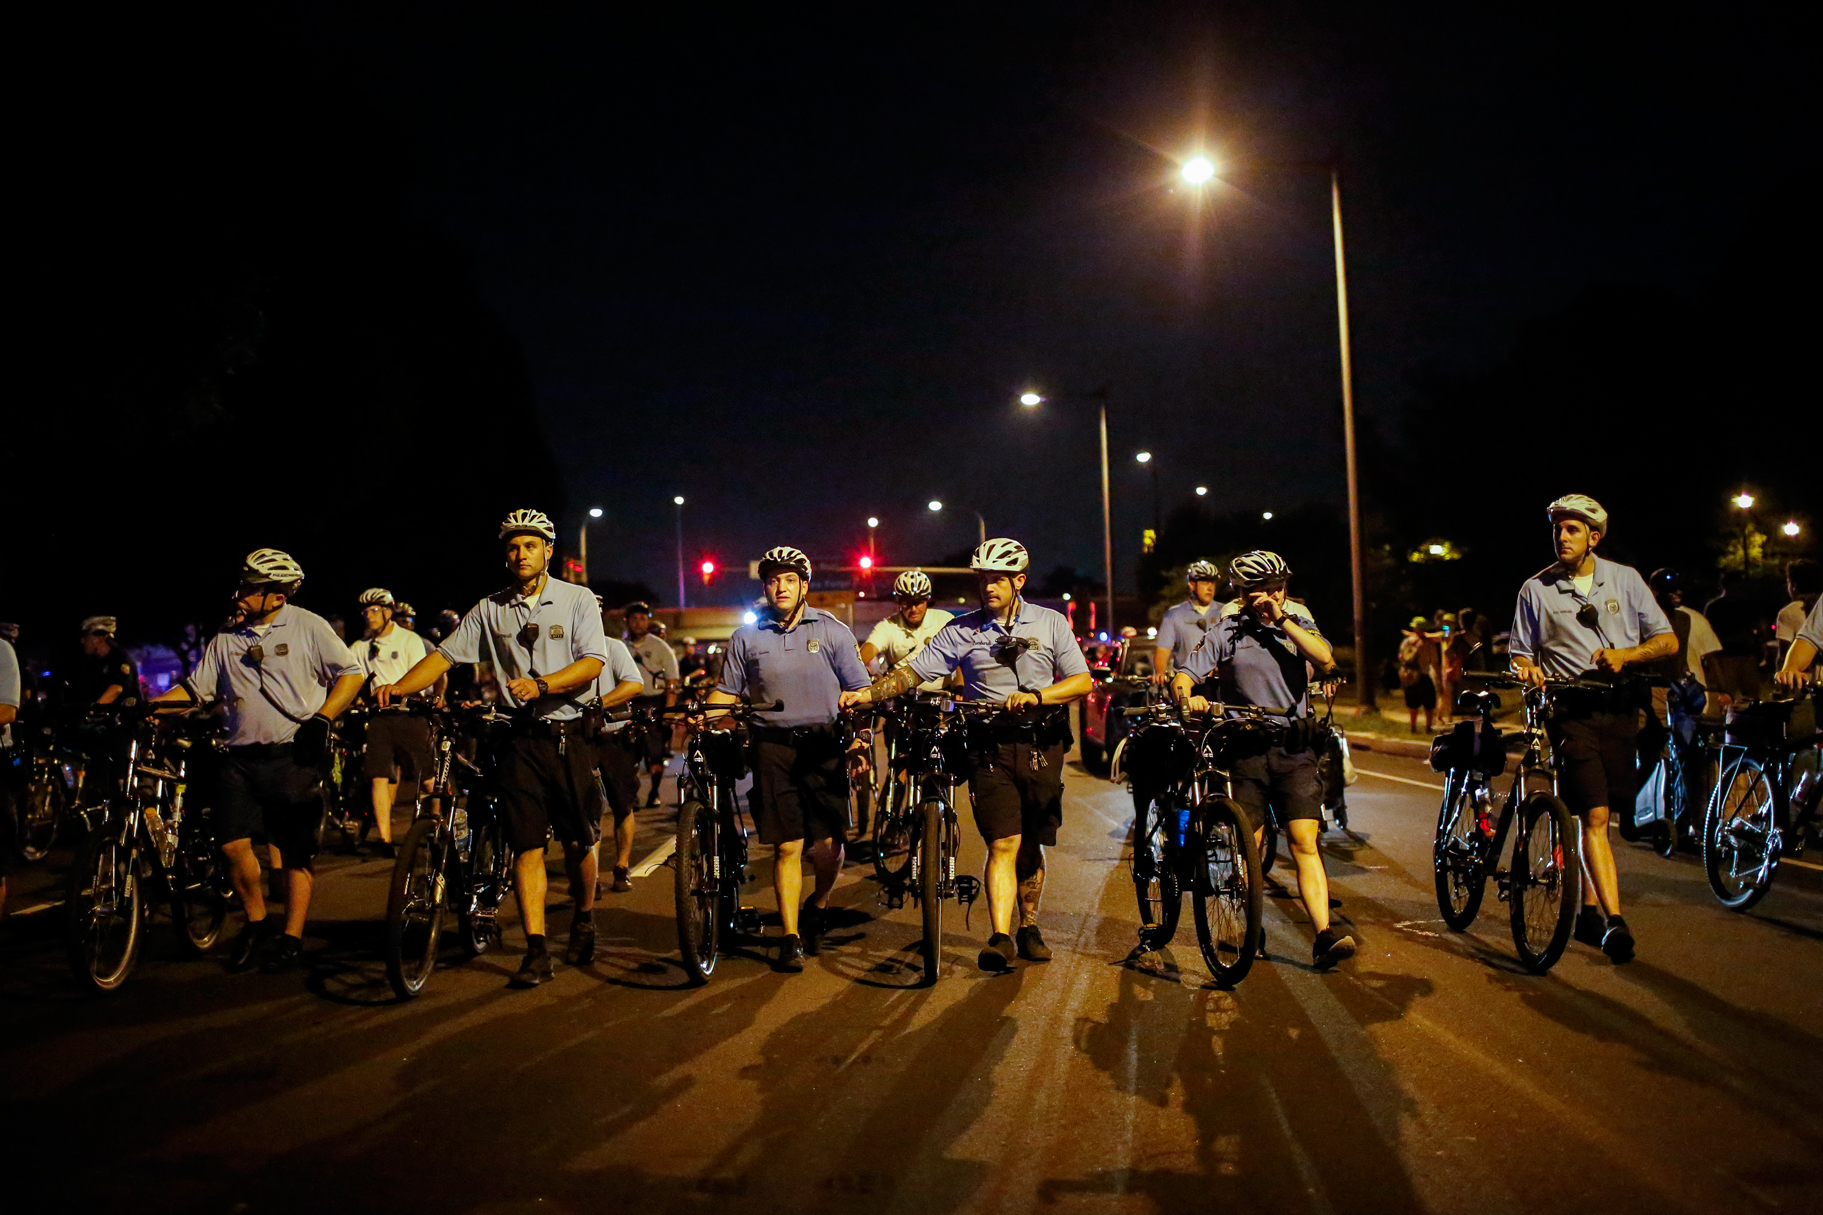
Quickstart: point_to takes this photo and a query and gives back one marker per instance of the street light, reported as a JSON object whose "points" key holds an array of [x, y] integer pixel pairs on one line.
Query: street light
{"points": [[1202, 491], [1744, 500], [873, 521], [678, 502], [1030, 398], [1266, 515], [582, 544], [1158, 510], [1791, 528], [981, 522], [1198, 170]]}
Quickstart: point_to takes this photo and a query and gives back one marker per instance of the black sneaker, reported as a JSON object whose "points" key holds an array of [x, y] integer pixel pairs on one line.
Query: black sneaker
{"points": [[281, 953], [1617, 942], [1031, 944], [581, 950], [534, 970], [652, 798], [791, 955], [1331, 947], [1590, 926], [244, 950], [998, 956], [811, 926], [623, 879]]}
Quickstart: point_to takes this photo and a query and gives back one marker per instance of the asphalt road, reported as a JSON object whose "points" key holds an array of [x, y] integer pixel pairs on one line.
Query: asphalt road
{"points": [[1429, 1074]]}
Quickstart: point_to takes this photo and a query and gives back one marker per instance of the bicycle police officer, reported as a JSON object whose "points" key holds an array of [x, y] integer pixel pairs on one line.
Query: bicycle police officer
{"points": [[901, 635], [1023, 656], [1261, 654], [617, 754], [398, 744], [1584, 615], [545, 641], [283, 676], [1184, 624], [807, 659], [105, 673]]}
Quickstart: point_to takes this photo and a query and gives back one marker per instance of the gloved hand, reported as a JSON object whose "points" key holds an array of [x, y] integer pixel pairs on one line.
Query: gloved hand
{"points": [[310, 745]]}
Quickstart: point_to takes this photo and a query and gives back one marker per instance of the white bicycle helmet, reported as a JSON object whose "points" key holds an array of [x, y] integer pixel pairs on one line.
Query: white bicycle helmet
{"points": [[534, 521], [376, 596], [782, 558], [1257, 568], [105, 625], [1000, 556], [270, 565], [1580, 506], [912, 584], [1202, 571], [404, 611]]}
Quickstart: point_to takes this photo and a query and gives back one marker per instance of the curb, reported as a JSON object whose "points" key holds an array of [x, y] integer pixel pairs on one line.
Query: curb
{"points": [[1408, 748]]}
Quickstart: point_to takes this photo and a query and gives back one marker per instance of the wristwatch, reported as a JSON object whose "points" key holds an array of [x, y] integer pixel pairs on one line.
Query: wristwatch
{"points": [[544, 689]]}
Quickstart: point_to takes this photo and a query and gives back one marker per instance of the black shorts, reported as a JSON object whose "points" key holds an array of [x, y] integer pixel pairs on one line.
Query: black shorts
{"points": [[617, 759], [398, 748], [1011, 798], [264, 795], [654, 736], [1421, 695], [1287, 781], [1594, 755], [800, 786], [545, 788]]}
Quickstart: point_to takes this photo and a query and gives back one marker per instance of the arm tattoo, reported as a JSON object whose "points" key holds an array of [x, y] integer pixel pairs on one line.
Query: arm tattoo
{"points": [[893, 683]]}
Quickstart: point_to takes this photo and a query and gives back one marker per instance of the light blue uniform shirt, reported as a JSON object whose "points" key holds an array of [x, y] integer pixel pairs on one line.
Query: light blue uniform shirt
{"points": [[1256, 663], [808, 667], [569, 629], [300, 658], [618, 669], [1547, 631], [1182, 629], [10, 693], [973, 640], [1811, 630]]}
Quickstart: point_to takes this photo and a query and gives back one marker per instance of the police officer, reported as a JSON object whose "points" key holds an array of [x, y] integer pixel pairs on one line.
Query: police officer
{"points": [[617, 754], [105, 673], [901, 635], [544, 639], [1262, 653], [398, 743], [1022, 656], [806, 658], [658, 665], [1184, 624], [283, 676], [1584, 615]]}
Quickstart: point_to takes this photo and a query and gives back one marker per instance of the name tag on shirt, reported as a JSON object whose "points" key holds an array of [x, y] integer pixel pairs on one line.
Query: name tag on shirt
{"points": [[281, 649]]}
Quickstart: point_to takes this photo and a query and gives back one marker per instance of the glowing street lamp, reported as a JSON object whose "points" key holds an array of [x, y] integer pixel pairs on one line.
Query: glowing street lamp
{"points": [[1198, 170], [1029, 399], [1744, 500], [1202, 491], [582, 545], [935, 505], [1266, 515], [678, 501], [1791, 528]]}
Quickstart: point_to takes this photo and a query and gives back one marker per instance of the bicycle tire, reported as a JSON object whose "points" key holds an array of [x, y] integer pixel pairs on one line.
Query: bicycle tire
{"points": [[1459, 860], [893, 838], [1724, 841], [1546, 881], [1269, 843], [1666, 833], [41, 810], [105, 911], [414, 908], [1226, 890], [1157, 886], [698, 890], [199, 890], [930, 885], [488, 874]]}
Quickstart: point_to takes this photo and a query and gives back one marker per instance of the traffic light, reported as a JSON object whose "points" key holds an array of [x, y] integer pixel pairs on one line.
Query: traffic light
{"points": [[866, 564], [708, 568]]}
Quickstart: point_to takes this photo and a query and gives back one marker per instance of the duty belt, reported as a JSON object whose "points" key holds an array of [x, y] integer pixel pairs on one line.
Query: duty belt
{"points": [[791, 736], [544, 727]]}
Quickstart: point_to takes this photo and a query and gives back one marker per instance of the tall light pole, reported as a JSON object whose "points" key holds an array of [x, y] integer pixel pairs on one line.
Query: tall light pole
{"points": [[678, 502], [873, 521], [582, 544], [1031, 399]]}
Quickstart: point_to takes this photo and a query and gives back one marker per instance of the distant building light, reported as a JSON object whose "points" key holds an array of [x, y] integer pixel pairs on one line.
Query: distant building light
{"points": [[1266, 514], [1436, 550], [1202, 491]]}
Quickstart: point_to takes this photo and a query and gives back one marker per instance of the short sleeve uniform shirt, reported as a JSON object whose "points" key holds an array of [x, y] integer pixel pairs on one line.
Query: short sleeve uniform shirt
{"points": [[807, 666], [1256, 663], [896, 643], [1552, 629], [1182, 629], [271, 677], [1036, 652], [528, 637], [618, 669], [388, 656], [656, 660]]}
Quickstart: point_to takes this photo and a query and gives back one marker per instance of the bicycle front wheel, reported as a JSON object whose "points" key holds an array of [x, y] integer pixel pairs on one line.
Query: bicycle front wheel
{"points": [[199, 887], [1225, 889], [104, 911], [1156, 887], [1740, 837], [1546, 882], [40, 810], [414, 908], [893, 836], [930, 884], [1458, 858], [698, 889]]}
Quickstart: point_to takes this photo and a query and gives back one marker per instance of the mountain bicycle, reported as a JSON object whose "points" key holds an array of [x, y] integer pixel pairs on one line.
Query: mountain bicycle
{"points": [[1541, 879], [1765, 805]]}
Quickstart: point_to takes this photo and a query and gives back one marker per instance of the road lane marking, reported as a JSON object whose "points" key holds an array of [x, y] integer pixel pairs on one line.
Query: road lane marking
{"points": [[657, 857], [34, 910], [1404, 780]]}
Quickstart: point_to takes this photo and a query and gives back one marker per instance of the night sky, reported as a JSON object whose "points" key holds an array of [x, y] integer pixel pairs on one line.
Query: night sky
{"points": [[797, 265]]}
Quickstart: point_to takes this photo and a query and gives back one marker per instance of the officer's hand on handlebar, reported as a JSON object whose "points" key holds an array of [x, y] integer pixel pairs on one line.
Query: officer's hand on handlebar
{"points": [[1161, 678], [383, 695], [525, 691], [1609, 661], [1792, 679], [1532, 674], [849, 700], [1196, 704], [1022, 700]]}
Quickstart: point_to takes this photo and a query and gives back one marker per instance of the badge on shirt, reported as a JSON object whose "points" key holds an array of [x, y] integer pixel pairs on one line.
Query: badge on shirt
{"points": [[813, 645], [281, 649], [557, 632], [1613, 607]]}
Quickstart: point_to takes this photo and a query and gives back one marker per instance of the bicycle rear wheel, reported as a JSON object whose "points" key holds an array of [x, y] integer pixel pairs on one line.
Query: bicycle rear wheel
{"points": [[1740, 839], [104, 911], [1269, 843], [1156, 886], [414, 908], [40, 810], [1458, 858], [1225, 889], [698, 889], [489, 874], [199, 886], [1667, 833], [1546, 881], [930, 884]]}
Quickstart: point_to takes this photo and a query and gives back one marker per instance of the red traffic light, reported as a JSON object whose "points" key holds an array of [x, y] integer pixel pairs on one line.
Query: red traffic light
{"points": [[867, 563], [708, 567]]}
